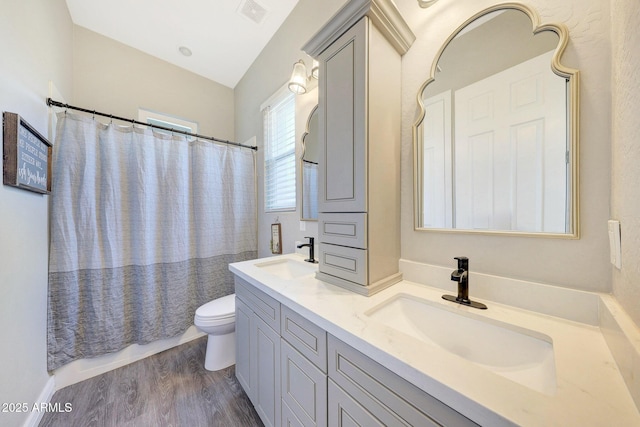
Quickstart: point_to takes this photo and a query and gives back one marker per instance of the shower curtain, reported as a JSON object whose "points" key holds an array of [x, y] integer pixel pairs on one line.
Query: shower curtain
{"points": [[143, 226]]}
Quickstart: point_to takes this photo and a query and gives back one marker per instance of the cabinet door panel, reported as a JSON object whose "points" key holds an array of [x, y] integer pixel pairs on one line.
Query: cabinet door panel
{"points": [[243, 348], [289, 419], [266, 362], [304, 387], [344, 229], [342, 100], [344, 411], [345, 263]]}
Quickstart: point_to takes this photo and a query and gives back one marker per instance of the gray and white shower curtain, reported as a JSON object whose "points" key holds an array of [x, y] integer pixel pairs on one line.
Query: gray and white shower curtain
{"points": [[143, 226]]}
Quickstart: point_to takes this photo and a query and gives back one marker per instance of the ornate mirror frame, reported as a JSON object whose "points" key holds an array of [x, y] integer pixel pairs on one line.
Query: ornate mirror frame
{"points": [[572, 76]]}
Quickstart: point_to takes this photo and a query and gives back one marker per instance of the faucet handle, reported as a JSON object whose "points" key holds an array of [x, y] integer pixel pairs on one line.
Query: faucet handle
{"points": [[463, 263], [311, 239]]}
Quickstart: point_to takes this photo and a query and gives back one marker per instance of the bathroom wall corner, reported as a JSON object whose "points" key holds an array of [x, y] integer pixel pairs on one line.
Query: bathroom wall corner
{"points": [[623, 338]]}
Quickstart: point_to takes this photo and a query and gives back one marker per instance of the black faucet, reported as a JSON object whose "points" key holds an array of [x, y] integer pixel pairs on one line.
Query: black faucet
{"points": [[310, 245], [461, 275]]}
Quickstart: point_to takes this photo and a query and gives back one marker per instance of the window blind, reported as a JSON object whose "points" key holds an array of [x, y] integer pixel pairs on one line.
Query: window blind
{"points": [[280, 161]]}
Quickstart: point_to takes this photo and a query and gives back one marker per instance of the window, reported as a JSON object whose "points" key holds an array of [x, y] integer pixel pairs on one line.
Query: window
{"points": [[166, 121], [280, 152]]}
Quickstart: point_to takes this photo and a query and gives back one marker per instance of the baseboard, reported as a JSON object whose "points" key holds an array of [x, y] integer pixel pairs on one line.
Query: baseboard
{"points": [[45, 396], [83, 369]]}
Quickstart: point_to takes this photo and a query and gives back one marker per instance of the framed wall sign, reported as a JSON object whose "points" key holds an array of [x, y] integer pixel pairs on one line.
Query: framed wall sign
{"points": [[26, 155], [276, 239]]}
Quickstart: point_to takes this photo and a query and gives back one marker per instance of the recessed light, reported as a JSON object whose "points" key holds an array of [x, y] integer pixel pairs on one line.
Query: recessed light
{"points": [[185, 51]]}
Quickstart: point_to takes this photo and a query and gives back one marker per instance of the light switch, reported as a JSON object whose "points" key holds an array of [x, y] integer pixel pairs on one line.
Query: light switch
{"points": [[615, 250]]}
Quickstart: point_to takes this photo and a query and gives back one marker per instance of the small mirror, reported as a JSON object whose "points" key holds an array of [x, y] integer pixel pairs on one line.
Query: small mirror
{"points": [[309, 165], [496, 143]]}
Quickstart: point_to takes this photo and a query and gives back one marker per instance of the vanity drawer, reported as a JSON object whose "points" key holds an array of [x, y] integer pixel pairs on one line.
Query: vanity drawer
{"points": [[305, 336], [385, 394], [345, 229], [346, 263], [267, 308]]}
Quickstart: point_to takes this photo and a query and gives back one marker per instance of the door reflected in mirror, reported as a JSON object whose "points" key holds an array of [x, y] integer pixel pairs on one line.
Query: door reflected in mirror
{"points": [[309, 165], [496, 142]]}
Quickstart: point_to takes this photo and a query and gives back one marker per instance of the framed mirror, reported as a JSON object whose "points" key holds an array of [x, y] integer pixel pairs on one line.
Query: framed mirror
{"points": [[496, 141], [309, 168]]}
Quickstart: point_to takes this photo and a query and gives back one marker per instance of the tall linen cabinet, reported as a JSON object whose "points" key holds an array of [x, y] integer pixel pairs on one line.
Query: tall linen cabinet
{"points": [[359, 106]]}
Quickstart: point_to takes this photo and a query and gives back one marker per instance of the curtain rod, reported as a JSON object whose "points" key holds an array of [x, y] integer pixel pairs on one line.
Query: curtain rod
{"points": [[52, 103]]}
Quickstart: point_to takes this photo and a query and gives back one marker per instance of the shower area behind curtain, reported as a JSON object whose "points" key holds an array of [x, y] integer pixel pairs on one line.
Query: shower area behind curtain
{"points": [[143, 226]]}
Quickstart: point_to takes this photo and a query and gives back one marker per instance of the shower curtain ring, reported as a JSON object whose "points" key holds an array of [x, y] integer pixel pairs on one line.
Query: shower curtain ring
{"points": [[111, 117], [94, 115]]}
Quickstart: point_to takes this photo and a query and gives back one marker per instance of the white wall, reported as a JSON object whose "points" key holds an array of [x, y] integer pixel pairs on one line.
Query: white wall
{"points": [[116, 79], [581, 264], [625, 200], [35, 47], [267, 74]]}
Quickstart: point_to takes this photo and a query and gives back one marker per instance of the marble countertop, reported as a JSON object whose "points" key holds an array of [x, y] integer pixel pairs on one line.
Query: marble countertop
{"points": [[590, 390]]}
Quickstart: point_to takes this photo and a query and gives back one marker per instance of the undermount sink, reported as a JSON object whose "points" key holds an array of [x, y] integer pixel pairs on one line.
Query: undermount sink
{"points": [[287, 268], [519, 354]]}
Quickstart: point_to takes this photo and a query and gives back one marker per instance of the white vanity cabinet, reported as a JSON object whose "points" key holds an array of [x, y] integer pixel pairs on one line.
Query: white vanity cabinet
{"points": [[359, 112], [296, 374], [258, 350]]}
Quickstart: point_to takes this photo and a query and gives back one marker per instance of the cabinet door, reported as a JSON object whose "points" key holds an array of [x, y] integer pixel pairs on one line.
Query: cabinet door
{"points": [[342, 116], [304, 388], [244, 348], [265, 362], [344, 411], [289, 419]]}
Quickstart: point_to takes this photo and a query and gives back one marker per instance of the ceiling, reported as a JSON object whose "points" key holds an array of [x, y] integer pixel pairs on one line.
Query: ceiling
{"points": [[225, 36]]}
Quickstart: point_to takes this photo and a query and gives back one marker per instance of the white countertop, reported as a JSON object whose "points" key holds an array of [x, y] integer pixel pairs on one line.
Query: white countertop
{"points": [[590, 389]]}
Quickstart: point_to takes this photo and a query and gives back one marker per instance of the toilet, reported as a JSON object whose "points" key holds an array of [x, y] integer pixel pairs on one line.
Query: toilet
{"points": [[217, 318]]}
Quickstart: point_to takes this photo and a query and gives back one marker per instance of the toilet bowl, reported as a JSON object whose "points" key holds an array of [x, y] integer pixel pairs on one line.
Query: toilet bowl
{"points": [[217, 318]]}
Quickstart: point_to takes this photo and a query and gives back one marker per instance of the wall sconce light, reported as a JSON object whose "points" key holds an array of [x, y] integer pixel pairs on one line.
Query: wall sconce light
{"points": [[298, 80], [426, 3]]}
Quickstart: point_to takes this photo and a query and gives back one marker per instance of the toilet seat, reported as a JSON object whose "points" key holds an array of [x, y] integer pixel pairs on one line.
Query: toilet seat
{"points": [[220, 311]]}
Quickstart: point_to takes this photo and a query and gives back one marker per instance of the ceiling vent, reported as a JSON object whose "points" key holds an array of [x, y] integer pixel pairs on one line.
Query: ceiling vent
{"points": [[252, 10]]}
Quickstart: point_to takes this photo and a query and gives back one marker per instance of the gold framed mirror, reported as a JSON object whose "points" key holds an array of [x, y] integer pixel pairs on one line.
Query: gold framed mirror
{"points": [[496, 140]]}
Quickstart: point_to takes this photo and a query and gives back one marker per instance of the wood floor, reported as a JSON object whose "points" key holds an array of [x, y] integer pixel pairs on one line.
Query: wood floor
{"points": [[171, 388]]}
